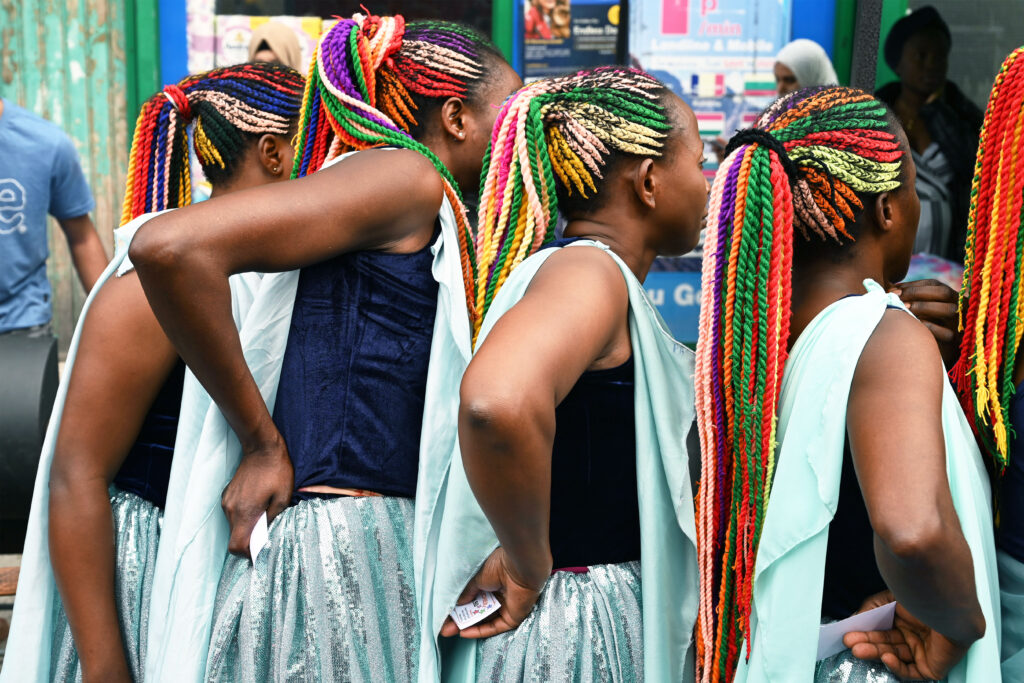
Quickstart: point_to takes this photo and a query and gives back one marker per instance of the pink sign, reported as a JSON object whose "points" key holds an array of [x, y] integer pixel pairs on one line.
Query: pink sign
{"points": [[675, 16]]}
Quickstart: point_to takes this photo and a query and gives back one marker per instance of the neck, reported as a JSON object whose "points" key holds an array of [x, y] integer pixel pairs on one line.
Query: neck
{"points": [[622, 236], [913, 99], [247, 176], [821, 283]]}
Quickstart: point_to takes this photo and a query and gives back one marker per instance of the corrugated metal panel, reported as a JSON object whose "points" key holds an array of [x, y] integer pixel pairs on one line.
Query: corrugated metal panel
{"points": [[65, 60]]}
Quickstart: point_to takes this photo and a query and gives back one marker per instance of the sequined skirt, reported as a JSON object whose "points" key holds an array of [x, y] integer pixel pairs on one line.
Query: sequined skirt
{"points": [[843, 667], [585, 627], [331, 599], [136, 534]]}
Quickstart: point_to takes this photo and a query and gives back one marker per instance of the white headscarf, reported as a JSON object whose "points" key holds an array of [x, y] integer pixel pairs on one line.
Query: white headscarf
{"points": [[809, 63]]}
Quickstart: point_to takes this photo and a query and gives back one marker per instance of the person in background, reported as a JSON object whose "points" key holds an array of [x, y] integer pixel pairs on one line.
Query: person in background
{"points": [[990, 372], [39, 175], [941, 124], [101, 485], [802, 64], [275, 42], [538, 19]]}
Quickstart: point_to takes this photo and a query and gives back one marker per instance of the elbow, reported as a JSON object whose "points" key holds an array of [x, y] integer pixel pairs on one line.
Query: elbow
{"points": [[153, 248], [494, 419], [915, 539]]}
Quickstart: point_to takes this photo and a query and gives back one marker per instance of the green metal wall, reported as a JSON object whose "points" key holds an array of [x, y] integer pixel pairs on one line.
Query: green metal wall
{"points": [[68, 61]]}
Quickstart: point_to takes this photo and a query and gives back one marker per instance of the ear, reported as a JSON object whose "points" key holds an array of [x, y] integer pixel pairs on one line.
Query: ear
{"points": [[454, 118], [884, 213], [271, 154], [645, 185]]}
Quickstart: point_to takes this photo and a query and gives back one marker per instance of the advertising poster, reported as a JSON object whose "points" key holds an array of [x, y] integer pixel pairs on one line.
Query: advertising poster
{"points": [[560, 36], [715, 54]]}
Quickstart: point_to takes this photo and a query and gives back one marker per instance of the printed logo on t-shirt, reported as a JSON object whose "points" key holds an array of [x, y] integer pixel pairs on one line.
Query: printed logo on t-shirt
{"points": [[12, 207]]}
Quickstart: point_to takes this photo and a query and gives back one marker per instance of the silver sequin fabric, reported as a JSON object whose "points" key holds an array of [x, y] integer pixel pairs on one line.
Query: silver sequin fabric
{"points": [[137, 533], [843, 667], [331, 599], [585, 627]]}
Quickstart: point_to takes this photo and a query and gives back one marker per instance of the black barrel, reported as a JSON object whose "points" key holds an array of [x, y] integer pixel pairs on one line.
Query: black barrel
{"points": [[28, 385]]}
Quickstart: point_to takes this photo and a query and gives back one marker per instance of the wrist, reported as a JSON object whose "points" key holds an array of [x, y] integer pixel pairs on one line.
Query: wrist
{"points": [[530, 567], [262, 439]]}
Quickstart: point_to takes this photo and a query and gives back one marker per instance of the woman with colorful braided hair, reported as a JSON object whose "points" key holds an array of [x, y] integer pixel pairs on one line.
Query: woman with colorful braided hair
{"points": [[103, 473], [838, 471], [327, 383], [990, 371], [575, 464]]}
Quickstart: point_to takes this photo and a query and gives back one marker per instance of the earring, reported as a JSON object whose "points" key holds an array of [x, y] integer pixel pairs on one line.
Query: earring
{"points": [[276, 170], [462, 134]]}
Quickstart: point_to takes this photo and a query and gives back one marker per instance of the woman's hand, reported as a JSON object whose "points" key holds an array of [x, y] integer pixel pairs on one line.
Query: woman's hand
{"points": [[935, 304], [517, 598], [262, 483], [910, 648]]}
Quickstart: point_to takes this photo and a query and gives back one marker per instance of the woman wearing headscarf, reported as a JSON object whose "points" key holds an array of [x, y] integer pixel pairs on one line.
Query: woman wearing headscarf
{"points": [[802, 64], [941, 123], [275, 42]]}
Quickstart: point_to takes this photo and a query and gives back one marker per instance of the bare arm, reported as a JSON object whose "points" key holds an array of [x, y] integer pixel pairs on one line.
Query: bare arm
{"points": [[572, 316], [87, 251], [123, 360], [896, 437], [382, 199]]}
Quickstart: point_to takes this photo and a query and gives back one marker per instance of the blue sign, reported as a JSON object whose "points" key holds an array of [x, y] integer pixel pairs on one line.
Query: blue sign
{"points": [[676, 295]]}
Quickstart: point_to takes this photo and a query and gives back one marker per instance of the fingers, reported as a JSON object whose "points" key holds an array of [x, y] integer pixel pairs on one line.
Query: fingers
{"points": [[943, 335], [902, 669], [876, 600], [485, 629], [878, 650], [469, 592], [938, 311], [448, 628], [241, 530], [926, 290]]}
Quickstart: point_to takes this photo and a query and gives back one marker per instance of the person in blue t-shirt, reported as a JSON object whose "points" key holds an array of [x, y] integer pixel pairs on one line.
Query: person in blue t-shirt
{"points": [[39, 175]]}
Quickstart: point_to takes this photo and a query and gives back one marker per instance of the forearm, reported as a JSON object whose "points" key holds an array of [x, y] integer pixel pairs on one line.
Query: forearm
{"points": [[82, 551], [87, 251], [191, 298], [935, 583], [508, 464]]}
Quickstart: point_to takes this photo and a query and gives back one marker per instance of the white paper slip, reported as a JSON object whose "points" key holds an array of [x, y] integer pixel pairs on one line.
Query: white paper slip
{"points": [[830, 637], [259, 538], [482, 606]]}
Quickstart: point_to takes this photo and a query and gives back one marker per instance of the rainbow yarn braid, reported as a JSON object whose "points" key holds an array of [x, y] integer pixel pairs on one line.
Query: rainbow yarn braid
{"points": [[551, 138], [811, 161], [230, 107], [369, 77], [990, 300]]}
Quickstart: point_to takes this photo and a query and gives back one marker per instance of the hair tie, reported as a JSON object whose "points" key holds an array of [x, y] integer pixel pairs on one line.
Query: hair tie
{"points": [[176, 96], [765, 139]]}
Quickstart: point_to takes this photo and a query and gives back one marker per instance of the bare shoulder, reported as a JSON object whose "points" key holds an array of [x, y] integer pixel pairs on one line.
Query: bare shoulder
{"points": [[901, 355], [585, 273]]}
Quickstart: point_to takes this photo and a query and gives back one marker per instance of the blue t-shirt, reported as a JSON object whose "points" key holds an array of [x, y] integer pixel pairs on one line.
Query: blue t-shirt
{"points": [[39, 174]]}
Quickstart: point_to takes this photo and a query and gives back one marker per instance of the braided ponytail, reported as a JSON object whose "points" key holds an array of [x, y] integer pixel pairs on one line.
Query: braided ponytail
{"points": [[229, 106], [371, 77], [990, 300], [811, 161], [549, 145]]}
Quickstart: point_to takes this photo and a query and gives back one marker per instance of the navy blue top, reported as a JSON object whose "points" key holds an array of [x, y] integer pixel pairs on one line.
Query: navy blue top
{"points": [[147, 468], [350, 401], [595, 515], [1010, 532]]}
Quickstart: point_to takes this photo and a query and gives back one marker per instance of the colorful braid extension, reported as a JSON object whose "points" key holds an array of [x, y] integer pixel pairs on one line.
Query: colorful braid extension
{"points": [[810, 159], [228, 106], [990, 300], [365, 77], [559, 130]]}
